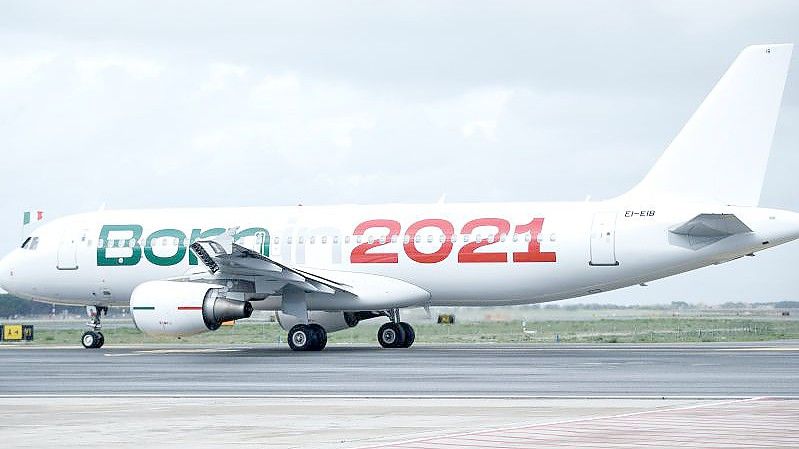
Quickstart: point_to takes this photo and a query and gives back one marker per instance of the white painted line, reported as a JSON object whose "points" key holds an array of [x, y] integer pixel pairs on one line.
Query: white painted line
{"points": [[757, 348], [383, 396], [556, 423], [187, 351]]}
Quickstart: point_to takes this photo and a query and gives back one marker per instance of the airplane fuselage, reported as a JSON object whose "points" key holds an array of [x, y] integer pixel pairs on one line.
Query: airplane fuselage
{"points": [[462, 254]]}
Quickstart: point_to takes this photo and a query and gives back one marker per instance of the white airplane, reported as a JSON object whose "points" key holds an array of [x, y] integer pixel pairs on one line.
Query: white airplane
{"points": [[324, 269]]}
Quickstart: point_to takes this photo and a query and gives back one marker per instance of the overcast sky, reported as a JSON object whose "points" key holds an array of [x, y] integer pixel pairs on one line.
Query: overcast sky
{"points": [[168, 104]]}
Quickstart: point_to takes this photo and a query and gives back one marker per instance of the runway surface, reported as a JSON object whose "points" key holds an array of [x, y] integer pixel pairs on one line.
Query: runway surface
{"points": [[619, 370], [477, 396]]}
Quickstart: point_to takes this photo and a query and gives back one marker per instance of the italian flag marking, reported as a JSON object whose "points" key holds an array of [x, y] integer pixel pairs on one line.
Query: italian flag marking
{"points": [[29, 216]]}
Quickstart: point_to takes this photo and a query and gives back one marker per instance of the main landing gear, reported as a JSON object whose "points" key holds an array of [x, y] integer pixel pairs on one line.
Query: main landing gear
{"points": [[94, 338], [396, 333], [307, 337]]}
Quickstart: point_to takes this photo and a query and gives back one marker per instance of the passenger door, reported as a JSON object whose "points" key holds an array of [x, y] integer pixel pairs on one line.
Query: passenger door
{"points": [[603, 239], [68, 249]]}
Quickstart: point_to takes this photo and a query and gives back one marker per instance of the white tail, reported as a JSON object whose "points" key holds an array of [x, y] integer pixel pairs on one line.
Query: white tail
{"points": [[721, 154]]}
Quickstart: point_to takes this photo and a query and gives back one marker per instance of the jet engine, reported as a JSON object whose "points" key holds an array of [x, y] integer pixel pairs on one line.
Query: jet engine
{"points": [[177, 309], [331, 321]]}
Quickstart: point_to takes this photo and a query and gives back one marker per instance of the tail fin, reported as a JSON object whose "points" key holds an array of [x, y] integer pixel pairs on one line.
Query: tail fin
{"points": [[721, 154]]}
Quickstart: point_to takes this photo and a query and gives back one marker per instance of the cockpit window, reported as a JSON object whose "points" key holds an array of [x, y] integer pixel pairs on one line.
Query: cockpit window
{"points": [[31, 243]]}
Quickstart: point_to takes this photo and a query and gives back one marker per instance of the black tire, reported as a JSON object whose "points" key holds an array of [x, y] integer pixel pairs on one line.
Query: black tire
{"points": [[89, 339], [391, 335], [321, 336], [301, 338], [100, 341], [410, 335]]}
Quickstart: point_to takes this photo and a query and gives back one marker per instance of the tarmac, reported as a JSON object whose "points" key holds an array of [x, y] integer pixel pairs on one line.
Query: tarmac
{"points": [[617, 370], [699, 395]]}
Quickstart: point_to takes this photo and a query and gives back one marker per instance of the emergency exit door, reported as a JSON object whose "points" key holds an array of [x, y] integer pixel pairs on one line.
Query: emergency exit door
{"points": [[603, 239]]}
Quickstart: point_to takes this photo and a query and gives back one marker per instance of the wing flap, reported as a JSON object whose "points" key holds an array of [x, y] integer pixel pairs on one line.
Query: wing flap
{"points": [[241, 261]]}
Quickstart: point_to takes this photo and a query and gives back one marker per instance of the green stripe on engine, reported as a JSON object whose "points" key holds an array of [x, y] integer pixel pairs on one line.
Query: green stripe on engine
{"points": [[144, 308]]}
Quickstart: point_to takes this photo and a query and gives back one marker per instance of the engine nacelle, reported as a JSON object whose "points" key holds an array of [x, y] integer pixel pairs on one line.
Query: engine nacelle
{"points": [[331, 321], [172, 308]]}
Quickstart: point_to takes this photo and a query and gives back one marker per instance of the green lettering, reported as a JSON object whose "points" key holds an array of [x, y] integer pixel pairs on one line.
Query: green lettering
{"points": [[135, 256], [180, 249], [261, 235], [198, 234]]}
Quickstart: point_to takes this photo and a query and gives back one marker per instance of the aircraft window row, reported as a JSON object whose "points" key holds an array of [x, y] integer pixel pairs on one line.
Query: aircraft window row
{"points": [[31, 242], [430, 238]]}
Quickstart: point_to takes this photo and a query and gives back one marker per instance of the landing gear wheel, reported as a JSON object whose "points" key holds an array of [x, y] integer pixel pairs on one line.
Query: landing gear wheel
{"points": [[391, 335], [321, 336], [410, 335], [92, 339], [301, 337]]}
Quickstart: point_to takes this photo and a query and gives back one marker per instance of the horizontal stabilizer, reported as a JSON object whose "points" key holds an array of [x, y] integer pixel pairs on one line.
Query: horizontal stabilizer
{"points": [[705, 229]]}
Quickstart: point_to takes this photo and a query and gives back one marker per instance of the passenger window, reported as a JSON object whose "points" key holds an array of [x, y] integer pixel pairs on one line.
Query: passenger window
{"points": [[324, 239], [346, 239], [312, 240], [288, 240], [335, 239]]}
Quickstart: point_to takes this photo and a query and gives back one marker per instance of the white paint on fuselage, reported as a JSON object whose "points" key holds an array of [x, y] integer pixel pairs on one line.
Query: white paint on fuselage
{"points": [[642, 249]]}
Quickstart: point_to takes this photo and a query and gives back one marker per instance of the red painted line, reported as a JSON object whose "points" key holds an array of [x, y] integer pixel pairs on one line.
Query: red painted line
{"points": [[190, 308]]}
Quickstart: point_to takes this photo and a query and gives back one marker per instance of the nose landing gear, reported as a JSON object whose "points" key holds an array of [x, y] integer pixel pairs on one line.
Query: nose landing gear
{"points": [[94, 339]]}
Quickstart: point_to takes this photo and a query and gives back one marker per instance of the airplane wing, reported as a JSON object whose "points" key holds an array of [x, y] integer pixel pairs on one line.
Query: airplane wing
{"points": [[244, 262], [333, 289]]}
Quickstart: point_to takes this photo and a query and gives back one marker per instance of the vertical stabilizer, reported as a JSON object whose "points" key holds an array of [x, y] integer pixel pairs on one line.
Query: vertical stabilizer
{"points": [[721, 154]]}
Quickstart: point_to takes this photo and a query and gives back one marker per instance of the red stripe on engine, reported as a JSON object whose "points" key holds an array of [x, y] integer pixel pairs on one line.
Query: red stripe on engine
{"points": [[190, 308]]}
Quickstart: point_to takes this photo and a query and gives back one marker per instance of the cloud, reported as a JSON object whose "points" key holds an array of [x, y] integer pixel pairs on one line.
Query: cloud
{"points": [[90, 68], [221, 75], [282, 103], [21, 69]]}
